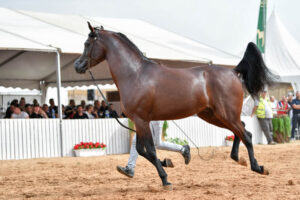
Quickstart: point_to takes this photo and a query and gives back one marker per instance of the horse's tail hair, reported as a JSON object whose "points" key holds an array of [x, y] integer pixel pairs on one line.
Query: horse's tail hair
{"points": [[254, 72]]}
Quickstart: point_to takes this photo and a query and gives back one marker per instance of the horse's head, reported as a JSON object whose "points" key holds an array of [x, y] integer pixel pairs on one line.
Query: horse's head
{"points": [[94, 51]]}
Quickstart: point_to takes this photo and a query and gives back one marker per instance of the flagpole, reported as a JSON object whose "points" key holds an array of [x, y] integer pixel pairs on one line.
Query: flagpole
{"points": [[265, 27]]}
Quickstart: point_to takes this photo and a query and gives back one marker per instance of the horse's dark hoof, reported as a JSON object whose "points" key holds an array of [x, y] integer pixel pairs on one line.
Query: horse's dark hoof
{"points": [[242, 161], [168, 187], [264, 171], [169, 163]]}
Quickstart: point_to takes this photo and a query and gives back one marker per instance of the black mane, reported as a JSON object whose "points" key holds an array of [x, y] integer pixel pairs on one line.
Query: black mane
{"points": [[131, 44]]}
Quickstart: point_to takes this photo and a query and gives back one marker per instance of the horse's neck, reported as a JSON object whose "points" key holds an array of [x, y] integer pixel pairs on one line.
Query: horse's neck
{"points": [[123, 61]]}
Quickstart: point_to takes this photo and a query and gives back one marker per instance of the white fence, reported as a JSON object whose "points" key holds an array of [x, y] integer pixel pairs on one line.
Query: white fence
{"points": [[40, 138], [107, 131], [29, 138], [204, 134]]}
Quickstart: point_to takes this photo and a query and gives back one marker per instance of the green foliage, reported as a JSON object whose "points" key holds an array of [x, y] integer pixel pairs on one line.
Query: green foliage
{"points": [[282, 125], [130, 124], [177, 141], [165, 127]]}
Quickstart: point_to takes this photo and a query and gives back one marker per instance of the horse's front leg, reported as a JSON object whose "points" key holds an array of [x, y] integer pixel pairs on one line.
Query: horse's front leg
{"points": [[145, 147]]}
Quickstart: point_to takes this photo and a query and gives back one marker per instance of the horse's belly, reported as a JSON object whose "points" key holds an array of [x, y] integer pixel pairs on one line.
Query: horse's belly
{"points": [[167, 113]]}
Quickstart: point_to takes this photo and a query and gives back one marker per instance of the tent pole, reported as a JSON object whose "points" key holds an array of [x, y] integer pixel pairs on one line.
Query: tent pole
{"points": [[58, 81], [43, 91]]}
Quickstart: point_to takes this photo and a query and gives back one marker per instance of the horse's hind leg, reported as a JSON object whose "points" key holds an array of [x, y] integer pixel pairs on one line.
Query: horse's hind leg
{"points": [[254, 165], [208, 115], [237, 127], [146, 148]]}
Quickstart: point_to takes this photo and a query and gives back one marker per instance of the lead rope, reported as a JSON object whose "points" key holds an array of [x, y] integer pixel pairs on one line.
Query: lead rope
{"points": [[108, 103], [105, 100], [202, 158]]}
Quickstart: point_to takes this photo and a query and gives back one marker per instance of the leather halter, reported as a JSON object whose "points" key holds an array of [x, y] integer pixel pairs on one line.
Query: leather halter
{"points": [[90, 49]]}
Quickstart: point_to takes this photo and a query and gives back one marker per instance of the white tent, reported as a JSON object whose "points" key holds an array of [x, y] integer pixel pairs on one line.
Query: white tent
{"points": [[27, 42], [282, 52]]}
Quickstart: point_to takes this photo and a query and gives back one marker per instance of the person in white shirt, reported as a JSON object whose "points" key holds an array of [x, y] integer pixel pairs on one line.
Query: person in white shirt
{"points": [[89, 111], [273, 103], [18, 114]]}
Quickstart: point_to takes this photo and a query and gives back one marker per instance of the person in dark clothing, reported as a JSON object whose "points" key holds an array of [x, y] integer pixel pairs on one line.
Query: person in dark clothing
{"points": [[80, 114], [35, 112], [22, 103], [70, 109], [10, 109], [296, 114], [83, 103], [52, 109], [103, 110], [28, 109], [112, 112], [46, 110]]}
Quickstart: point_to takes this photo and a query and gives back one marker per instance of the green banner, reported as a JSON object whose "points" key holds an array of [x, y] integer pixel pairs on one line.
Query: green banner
{"points": [[261, 26]]}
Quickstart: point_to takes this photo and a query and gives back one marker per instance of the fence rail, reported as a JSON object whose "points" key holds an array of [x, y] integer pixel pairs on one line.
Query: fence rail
{"points": [[204, 134], [40, 138]]}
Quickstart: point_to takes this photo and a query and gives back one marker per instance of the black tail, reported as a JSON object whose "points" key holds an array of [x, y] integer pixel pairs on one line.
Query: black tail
{"points": [[254, 72]]}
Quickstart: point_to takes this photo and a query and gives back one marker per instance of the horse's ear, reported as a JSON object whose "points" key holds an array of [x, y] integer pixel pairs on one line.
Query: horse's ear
{"points": [[101, 27], [91, 28]]}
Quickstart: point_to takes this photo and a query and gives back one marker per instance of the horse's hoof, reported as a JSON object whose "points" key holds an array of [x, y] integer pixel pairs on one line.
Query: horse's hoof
{"points": [[169, 163], [265, 172], [168, 187], [242, 161]]}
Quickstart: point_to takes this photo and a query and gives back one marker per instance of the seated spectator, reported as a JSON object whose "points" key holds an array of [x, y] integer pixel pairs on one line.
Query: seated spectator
{"points": [[42, 113], [52, 109], [10, 109], [104, 110], [273, 103], [90, 112], [283, 107], [80, 114], [18, 114], [82, 103], [71, 109], [46, 110], [97, 106], [28, 109], [112, 112], [35, 102], [36, 112], [22, 103]]}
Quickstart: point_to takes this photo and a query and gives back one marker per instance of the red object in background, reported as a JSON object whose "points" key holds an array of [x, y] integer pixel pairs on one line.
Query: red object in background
{"points": [[89, 145], [282, 108], [230, 138]]}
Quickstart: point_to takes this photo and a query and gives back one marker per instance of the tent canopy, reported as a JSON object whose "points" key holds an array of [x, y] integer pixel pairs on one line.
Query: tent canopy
{"points": [[282, 51], [28, 42]]}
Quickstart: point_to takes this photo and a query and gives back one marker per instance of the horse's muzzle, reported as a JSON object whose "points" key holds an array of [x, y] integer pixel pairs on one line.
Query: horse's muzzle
{"points": [[80, 66]]}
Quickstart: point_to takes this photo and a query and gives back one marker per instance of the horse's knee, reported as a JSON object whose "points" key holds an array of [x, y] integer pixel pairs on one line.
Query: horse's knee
{"points": [[248, 137], [151, 152], [141, 150]]}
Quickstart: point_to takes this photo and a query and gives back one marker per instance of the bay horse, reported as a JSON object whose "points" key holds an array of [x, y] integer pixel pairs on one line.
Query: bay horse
{"points": [[151, 91]]}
